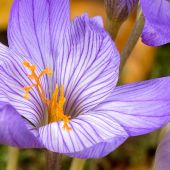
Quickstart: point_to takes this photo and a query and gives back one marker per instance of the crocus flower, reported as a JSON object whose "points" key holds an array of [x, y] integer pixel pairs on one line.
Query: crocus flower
{"points": [[58, 85], [162, 160], [156, 30], [157, 22]]}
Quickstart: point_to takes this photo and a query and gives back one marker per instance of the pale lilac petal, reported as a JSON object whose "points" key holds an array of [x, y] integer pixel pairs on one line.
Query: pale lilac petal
{"points": [[88, 132], [100, 150], [162, 160], [157, 22], [36, 28], [139, 107], [3, 53], [13, 129], [87, 66], [13, 77], [98, 21]]}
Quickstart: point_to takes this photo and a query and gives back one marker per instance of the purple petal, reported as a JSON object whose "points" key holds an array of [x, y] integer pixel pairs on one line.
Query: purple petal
{"points": [[87, 65], [100, 150], [3, 53], [98, 20], [89, 132], [36, 28], [13, 78], [157, 15], [139, 107], [162, 160], [13, 130]]}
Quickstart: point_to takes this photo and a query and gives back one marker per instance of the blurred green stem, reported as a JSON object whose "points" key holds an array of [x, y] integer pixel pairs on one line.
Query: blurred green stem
{"points": [[131, 42], [13, 154], [113, 27], [77, 164], [53, 161]]}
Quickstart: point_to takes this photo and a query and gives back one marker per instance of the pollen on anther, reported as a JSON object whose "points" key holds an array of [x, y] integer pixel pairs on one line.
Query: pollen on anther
{"points": [[55, 106]]}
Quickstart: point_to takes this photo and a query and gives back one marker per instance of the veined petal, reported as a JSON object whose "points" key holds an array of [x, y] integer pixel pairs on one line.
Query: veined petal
{"points": [[100, 150], [139, 107], [13, 77], [3, 53], [88, 132], [162, 160], [36, 28], [87, 65], [13, 130], [157, 13]]}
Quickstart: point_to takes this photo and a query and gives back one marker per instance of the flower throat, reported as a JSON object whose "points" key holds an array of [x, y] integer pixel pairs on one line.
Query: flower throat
{"points": [[56, 104]]}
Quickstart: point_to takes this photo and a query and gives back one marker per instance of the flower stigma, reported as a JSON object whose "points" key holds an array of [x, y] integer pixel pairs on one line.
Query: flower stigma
{"points": [[56, 104]]}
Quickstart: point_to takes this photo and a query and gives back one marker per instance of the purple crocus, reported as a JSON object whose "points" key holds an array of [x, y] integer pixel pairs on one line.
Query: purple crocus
{"points": [[157, 22], [58, 85]]}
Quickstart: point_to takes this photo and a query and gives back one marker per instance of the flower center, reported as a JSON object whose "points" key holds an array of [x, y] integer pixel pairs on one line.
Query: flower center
{"points": [[56, 104]]}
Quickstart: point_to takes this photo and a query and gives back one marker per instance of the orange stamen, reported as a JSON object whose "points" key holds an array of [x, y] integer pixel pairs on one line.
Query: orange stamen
{"points": [[55, 105]]}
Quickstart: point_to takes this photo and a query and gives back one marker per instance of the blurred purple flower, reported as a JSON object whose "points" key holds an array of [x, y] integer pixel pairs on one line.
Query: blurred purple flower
{"points": [[85, 66], [157, 22], [162, 160]]}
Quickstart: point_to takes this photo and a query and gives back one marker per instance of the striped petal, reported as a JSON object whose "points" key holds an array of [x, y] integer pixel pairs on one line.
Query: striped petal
{"points": [[139, 107], [101, 149], [157, 15], [36, 28], [133, 109], [92, 136], [87, 65], [13, 77], [162, 160], [13, 129], [3, 53]]}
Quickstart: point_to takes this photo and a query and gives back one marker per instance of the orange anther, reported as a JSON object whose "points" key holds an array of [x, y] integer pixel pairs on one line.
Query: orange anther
{"points": [[55, 105], [26, 63], [30, 76], [46, 71], [33, 76], [56, 108], [32, 67]]}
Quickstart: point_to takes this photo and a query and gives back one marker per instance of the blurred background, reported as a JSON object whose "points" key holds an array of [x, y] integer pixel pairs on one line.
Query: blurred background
{"points": [[145, 62]]}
